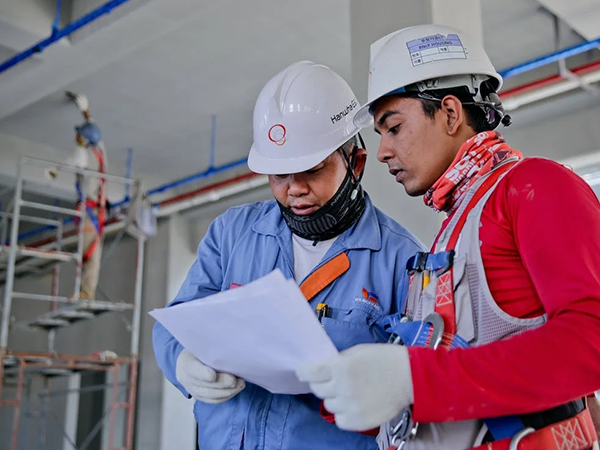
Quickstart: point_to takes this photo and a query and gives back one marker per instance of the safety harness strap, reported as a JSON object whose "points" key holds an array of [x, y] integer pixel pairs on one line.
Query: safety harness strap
{"points": [[575, 433], [90, 250], [90, 204], [441, 263], [444, 302]]}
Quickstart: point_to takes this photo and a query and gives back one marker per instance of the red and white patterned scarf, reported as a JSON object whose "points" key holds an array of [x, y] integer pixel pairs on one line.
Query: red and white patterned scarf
{"points": [[475, 158]]}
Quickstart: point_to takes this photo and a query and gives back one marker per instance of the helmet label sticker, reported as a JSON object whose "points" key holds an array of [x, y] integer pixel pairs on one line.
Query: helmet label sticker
{"points": [[434, 48]]}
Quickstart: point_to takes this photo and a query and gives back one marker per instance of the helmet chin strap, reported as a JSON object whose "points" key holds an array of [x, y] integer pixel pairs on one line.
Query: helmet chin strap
{"points": [[342, 211], [351, 164]]}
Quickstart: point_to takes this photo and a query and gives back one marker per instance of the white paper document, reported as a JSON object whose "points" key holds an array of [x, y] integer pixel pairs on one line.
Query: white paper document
{"points": [[260, 332]]}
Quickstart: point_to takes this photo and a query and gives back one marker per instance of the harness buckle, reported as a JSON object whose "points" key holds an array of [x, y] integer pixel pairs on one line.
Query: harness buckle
{"points": [[417, 262], [440, 263]]}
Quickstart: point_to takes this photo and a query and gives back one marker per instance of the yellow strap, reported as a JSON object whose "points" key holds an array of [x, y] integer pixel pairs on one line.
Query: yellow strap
{"points": [[325, 275]]}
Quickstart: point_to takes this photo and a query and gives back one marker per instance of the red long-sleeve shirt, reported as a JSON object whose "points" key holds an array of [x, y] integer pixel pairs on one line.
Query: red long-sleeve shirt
{"points": [[540, 238]]}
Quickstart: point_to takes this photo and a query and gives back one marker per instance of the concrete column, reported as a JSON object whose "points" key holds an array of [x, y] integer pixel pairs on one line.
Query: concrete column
{"points": [[370, 21], [71, 411], [178, 426], [151, 379]]}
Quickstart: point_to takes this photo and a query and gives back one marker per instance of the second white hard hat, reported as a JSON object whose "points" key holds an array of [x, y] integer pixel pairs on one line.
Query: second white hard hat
{"points": [[436, 54], [301, 116]]}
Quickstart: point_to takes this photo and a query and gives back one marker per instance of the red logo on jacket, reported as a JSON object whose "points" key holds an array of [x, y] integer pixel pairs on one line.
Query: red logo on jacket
{"points": [[369, 296]]}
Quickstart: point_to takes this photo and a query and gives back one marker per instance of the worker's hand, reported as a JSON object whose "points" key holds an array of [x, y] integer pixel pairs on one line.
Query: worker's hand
{"points": [[204, 383], [50, 173], [82, 102], [364, 386]]}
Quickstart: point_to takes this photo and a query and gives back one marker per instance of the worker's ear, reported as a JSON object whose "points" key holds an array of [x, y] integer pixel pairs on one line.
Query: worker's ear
{"points": [[454, 113], [361, 160]]}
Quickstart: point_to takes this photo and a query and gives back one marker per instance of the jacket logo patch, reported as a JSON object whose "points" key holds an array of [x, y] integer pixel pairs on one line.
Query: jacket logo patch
{"points": [[369, 298]]}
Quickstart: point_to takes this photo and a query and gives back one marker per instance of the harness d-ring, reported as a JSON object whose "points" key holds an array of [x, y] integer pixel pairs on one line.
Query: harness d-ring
{"points": [[514, 443], [437, 333]]}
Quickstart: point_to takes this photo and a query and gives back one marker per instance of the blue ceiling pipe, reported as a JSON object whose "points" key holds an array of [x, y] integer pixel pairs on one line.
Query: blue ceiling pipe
{"points": [[59, 33], [550, 58], [212, 170], [197, 176], [56, 23]]}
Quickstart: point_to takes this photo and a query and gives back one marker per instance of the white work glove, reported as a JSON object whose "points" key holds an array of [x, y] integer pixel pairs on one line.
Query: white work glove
{"points": [[364, 386], [82, 102], [204, 383]]}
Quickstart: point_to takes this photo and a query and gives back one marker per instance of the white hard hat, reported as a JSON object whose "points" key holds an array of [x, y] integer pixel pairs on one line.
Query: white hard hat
{"points": [[301, 116], [438, 56]]}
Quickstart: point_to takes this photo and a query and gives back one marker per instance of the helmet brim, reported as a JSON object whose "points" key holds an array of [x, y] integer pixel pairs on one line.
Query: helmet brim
{"points": [[275, 166], [270, 166]]}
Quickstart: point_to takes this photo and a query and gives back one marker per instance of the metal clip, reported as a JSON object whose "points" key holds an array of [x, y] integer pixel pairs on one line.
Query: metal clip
{"points": [[514, 443], [404, 430], [437, 334]]}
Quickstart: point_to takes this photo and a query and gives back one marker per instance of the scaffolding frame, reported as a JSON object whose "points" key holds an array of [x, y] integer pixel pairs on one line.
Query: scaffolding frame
{"points": [[20, 365]]}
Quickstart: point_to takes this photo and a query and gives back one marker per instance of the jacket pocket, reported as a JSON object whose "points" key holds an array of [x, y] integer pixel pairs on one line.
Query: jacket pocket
{"points": [[347, 328]]}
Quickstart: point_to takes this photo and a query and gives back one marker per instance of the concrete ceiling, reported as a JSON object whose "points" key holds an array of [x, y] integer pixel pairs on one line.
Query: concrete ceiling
{"points": [[516, 31], [199, 58], [582, 16], [157, 70]]}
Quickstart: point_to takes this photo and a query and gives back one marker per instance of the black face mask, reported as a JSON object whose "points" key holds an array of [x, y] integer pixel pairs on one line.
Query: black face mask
{"points": [[342, 211]]}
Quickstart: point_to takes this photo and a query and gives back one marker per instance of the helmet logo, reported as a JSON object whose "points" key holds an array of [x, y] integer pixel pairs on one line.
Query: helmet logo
{"points": [[277, 134]]}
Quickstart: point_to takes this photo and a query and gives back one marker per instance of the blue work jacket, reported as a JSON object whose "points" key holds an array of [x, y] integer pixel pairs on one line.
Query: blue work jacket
{"points": [[248, 242]]}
